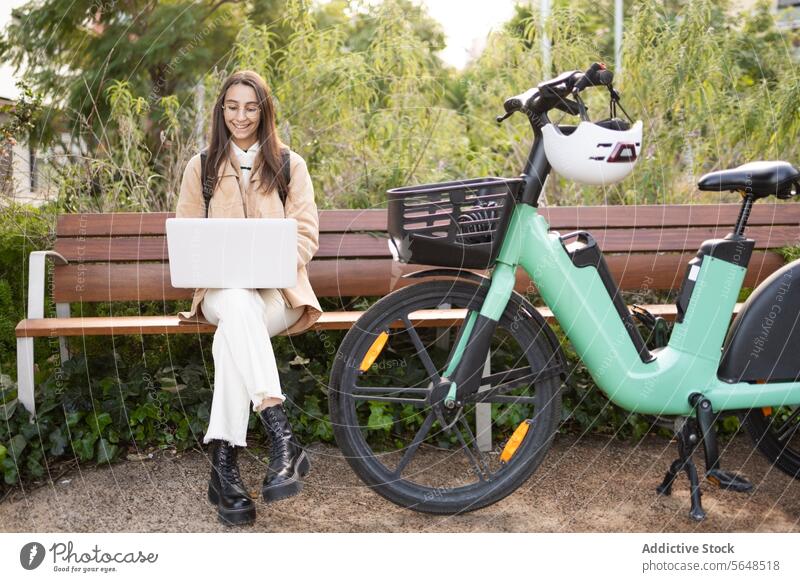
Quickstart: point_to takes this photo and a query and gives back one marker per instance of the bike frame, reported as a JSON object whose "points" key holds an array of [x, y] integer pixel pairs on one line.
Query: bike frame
{"points": [[585, 311]]}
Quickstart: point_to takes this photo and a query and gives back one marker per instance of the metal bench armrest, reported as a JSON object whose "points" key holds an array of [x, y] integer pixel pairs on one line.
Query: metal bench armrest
{"points": [[36, 281]]}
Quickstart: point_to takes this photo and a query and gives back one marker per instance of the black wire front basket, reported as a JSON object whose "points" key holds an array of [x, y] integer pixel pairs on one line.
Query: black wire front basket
{"points": [[451, 224]]}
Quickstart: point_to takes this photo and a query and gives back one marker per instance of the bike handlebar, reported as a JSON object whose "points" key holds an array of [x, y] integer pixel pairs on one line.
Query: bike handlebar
{"points": [[553, 94]]}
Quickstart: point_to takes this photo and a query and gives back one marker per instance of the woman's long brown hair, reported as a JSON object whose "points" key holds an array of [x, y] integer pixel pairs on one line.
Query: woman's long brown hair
{"points": [[266, 134]]}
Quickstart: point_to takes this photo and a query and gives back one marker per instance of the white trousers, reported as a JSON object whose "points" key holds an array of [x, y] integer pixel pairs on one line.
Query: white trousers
{"points": [[244, 364]]}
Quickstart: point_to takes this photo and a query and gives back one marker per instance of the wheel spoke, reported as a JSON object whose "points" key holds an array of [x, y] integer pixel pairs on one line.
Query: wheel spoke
{"points": [[415, 442], [390, 394], [418, 402], [391, 390], [421, 351], [479, 463], [516, 376], [789, 427], [497, 399], [510, 380]]}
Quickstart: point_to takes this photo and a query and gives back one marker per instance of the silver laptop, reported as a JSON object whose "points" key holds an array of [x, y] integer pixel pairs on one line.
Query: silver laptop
{"points": [[249, 253]]}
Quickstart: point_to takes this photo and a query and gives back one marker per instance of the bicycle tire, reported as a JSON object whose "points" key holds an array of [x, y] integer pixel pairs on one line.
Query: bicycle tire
{"points": [[542, 351]]}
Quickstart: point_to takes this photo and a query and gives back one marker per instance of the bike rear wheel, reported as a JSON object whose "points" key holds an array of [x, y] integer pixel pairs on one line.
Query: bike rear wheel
{"points": [[776, 434], [388, 424]]}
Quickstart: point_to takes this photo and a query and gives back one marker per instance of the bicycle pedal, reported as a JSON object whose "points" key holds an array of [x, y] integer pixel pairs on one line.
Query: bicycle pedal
{"points": [[729, 480], [645, 317], [656, 325]]}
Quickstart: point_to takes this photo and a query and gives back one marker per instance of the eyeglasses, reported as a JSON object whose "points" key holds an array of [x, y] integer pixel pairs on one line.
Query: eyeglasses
{"points": [[233, 111]]}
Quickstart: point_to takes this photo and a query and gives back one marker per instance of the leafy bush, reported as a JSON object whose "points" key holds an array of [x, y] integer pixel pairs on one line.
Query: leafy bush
{"points": [[102, 409], [23, 229]]}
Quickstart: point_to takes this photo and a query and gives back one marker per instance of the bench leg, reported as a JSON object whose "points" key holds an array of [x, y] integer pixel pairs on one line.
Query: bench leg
{"points": [[25, 383], [483, 415], [443, 336], [62, 310]]}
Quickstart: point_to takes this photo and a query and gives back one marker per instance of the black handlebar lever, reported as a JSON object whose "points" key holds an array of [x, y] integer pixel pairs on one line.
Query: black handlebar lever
{"points": [[561, 85]]}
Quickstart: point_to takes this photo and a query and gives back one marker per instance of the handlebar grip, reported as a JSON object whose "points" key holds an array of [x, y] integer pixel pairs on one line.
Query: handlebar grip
{"points": [[604, 77], [587, 78], [596, 74]]}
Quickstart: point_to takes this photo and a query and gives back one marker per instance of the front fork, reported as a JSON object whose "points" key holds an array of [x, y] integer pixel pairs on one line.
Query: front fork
{"points": [[465, 369]]}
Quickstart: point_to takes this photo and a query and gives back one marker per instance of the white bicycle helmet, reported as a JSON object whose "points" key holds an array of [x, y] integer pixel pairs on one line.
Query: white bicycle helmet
{"points": [[593, 154]]}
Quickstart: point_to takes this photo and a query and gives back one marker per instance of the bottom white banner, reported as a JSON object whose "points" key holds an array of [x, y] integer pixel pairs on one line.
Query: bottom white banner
{"points": [[388, 557]]}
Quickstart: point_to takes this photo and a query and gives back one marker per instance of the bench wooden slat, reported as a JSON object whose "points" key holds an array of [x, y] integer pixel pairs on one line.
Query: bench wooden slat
{"points": [[369, 277], [345, 246], [667, 216], [153, 223], [352, 220], [154, 325], [559, 217], [154, 248], [688, 239], [170, 324]]}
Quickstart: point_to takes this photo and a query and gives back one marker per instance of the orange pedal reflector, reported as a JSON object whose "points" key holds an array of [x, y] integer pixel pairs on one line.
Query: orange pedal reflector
{"points": [[767, 410], [515, 441], [374, 351]]}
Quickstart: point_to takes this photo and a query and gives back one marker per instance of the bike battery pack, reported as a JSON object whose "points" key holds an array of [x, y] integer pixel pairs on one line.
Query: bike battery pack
{"points": [[732, 249], [585, 252]]}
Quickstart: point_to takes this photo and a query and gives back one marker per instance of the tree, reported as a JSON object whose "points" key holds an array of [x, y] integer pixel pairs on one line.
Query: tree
{"points": [[71, 50]]}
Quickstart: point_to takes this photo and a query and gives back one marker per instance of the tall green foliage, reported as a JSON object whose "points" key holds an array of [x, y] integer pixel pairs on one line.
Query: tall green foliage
{"points": [[712, 94], [367, 102], [714, 88], [71, 49], [365, 120], [23, 229], [125, 176]]}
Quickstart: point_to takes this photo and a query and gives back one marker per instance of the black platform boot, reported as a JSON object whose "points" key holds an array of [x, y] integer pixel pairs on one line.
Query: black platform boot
{"points": [[288, 462], [225, 488]]}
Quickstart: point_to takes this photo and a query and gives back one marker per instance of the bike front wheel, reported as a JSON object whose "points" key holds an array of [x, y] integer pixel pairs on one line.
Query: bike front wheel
{"points": [[393, 429]]}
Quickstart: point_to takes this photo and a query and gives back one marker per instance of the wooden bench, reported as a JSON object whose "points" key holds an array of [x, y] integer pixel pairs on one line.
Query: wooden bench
{"points": [[123, 257]]}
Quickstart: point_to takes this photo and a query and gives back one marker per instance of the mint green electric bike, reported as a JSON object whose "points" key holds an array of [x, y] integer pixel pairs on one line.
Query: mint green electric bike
{"points": [[408, 402]]}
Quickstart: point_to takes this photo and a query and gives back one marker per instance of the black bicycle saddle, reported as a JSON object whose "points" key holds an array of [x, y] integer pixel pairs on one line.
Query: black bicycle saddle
{"points": [[760, 179]]}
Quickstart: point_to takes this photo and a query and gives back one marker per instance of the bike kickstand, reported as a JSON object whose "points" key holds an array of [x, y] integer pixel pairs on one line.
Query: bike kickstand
{"points": [[705, 418], [688, 440]]}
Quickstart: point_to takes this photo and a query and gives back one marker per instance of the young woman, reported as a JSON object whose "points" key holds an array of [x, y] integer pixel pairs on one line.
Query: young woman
{"points": [[245, 171]]}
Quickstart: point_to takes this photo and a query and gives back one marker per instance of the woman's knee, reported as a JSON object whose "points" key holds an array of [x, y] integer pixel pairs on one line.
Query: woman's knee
{"points": [[282, 319], [222, 301]]}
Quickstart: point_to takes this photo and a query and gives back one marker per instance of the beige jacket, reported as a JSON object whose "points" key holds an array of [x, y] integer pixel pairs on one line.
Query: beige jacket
{"points": [[229, 201]]}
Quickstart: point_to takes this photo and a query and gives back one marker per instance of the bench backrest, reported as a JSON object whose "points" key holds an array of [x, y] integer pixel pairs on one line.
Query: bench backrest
{"points": [[123, 256]]}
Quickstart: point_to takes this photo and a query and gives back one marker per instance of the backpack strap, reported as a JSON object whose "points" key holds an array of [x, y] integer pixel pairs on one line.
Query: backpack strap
{"points": [[208, 191], [207, 186], [287, 175]]}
